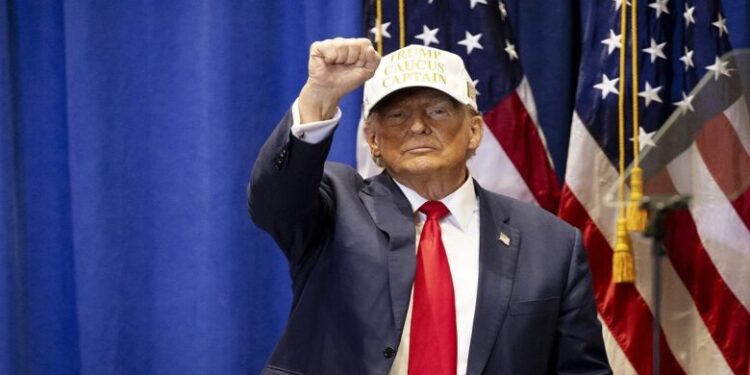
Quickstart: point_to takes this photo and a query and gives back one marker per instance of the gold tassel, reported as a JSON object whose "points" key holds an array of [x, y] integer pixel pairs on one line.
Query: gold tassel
{"points": [[637, 217], [623, 267]]}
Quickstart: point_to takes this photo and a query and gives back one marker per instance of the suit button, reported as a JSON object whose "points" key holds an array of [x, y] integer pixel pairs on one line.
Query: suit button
{"points": [[389, 352]]}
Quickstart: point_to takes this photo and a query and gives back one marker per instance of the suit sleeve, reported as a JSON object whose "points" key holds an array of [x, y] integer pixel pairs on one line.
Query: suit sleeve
{"points": [[579, 346], [285, 196]]}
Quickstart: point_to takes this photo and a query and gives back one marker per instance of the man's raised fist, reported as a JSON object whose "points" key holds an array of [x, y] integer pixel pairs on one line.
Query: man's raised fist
{"points": [[336, 67]]}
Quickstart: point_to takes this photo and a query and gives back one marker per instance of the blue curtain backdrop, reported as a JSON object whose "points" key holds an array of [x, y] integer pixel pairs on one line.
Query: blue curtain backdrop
{"points": [[127, 134]]}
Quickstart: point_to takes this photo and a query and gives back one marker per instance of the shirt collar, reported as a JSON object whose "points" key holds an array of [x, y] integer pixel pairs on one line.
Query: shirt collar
{"points": [[462, 203]]}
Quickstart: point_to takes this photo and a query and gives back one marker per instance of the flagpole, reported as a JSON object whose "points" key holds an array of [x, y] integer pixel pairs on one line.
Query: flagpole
{"points": [[658, 208]]}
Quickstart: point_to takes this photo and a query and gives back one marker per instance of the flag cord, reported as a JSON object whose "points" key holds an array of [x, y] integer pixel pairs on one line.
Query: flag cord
{"points": [[379, 25], [634, 72], [401, 24], [636, 217], [623, 270]]}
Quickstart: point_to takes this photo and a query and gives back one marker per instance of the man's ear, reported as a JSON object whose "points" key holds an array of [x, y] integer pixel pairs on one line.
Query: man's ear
{"points": [[372, 140], [476, 127]]}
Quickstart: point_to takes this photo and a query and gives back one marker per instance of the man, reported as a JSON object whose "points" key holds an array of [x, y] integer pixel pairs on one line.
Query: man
{"points": [[417, 270]]}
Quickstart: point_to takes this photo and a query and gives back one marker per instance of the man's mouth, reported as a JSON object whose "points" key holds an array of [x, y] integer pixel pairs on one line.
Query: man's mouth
{"points": [[420, 149]]}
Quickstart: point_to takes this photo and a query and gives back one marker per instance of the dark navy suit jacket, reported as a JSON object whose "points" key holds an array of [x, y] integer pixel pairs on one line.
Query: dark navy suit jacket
{"points": [[351, 252]]}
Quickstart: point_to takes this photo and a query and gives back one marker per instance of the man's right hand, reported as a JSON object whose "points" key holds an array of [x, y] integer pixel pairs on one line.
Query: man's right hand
{"points": [[336, 67]]}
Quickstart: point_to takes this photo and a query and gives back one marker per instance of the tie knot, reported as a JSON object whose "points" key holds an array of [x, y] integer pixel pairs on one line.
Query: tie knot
{"points": [[434, 210]]}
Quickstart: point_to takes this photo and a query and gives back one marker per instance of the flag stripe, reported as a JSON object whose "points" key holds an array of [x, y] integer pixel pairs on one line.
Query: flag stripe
{"points": [[492, 168], [591, 185], [739, 117], [681, 321], [617, 358], [710, 260], [624, 311], [512, 126], [726, 318], [727, 246], [732, 143], [527, 98], [742, 206], [724, 155]]}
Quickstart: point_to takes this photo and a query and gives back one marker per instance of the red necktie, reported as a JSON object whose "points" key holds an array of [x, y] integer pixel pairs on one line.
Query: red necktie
{"points": [[432, 345]]}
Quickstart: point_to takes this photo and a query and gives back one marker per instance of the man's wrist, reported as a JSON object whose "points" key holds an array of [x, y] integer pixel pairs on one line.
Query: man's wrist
{"points": [[316, 104]]}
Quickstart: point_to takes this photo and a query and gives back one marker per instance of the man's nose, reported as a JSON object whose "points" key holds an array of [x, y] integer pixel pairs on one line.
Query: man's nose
{"points": [[418, 125]]}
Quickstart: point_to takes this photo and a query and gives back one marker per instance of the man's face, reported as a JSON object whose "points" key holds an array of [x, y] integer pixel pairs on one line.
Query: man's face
{"points": [[423, 132]]}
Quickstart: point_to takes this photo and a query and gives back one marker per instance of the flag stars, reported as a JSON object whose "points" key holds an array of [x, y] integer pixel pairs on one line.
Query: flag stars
{"points": [[475, 83], [645, 138], [721, 24], [503, 11], [656, 50], [650, 94], [607, 86], [686, 104], [383, 26], [475, 2], [471, 42], [719, 68], [510, 49], [687, 59], [618, 4], [428, 35], [660, 6], [688, 15], [613, 42]]}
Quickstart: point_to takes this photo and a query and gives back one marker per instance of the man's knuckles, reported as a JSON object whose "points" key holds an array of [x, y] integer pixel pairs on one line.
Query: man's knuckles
{"points": [[343, 51]]}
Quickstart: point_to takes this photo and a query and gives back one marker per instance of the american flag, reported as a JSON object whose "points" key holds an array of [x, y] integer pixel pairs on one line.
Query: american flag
{"points": [[694, 137], [695, 140], [512, 158]]}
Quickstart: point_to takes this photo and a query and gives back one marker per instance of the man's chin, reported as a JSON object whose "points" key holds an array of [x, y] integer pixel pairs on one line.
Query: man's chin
{"points": [[420, 166]]}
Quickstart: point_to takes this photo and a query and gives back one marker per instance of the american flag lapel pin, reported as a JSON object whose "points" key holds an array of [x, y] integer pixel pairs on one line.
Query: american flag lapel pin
{"points": [[504, 239]]}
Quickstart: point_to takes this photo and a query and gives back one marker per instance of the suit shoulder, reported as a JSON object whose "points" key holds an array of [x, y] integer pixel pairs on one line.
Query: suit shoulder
{"points": [[339, 169], [335, 173]]}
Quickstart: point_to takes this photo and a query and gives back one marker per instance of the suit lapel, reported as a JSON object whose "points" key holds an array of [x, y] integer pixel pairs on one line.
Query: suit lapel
{"points": [[391, 212], [497, 267]]}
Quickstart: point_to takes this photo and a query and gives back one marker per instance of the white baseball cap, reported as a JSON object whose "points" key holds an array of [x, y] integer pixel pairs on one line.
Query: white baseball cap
{"points": [[419, 66]]}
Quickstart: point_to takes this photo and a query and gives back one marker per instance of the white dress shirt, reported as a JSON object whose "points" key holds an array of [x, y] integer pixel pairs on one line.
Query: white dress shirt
{"points": [[460, 234], [312, 132]]}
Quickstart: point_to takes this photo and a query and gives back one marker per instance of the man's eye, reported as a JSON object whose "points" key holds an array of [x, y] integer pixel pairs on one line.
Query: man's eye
{"points": [[395, 115], [438, 112]]}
